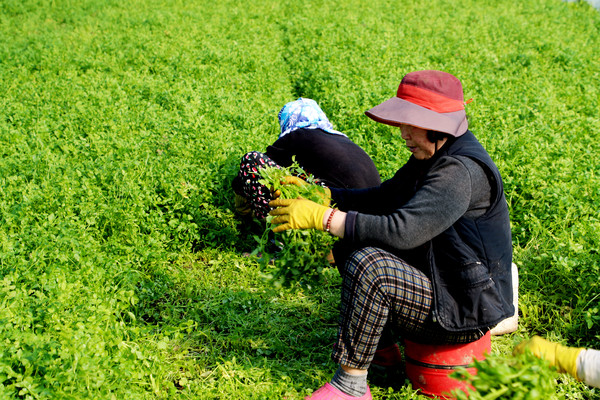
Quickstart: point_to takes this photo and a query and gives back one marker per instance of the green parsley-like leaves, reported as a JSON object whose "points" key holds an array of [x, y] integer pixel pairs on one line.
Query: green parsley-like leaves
{"points": [[293, 256]]}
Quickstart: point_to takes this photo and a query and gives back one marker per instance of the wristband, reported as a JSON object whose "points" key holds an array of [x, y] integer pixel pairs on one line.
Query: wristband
{"points": [[328, 225]]}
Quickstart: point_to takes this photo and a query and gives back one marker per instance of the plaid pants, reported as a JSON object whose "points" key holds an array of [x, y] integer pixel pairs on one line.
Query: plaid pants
{"points": [[381, 292]]}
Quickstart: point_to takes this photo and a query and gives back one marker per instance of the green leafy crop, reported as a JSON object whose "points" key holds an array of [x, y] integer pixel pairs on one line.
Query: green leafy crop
{"points": [[122, 267], [293, 256], [522, 376]]}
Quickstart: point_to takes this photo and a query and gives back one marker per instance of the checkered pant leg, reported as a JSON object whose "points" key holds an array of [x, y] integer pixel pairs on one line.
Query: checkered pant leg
{"points": [[378, 288], [257, 194]]}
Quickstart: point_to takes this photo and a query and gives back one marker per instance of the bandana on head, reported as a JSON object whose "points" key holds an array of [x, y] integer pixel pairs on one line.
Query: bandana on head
{"points": [[304, 113]]}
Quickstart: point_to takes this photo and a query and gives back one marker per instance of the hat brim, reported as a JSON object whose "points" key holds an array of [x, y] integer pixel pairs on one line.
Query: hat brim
{"points": [[397, 111]]}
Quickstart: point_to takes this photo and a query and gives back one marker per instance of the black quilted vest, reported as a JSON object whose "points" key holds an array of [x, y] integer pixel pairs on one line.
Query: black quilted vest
{"points": [[470, 263]]}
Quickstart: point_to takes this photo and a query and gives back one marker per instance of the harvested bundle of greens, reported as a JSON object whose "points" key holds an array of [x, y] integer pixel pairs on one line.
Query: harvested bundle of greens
{"points": [[293, 256], [522, 376]]}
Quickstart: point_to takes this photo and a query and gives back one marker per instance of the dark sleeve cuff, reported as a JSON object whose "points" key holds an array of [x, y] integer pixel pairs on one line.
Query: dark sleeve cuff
{"points": [[349, 227]]}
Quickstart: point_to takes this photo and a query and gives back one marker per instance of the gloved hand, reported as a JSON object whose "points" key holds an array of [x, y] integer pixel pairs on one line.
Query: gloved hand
{"points": [[562, 357], [242, 205], [295, 180], [297, 214]]}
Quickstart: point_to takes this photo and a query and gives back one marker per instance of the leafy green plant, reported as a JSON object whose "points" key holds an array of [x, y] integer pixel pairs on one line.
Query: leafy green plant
{"points": [[293, 256], [523, 376], [121, 124]]}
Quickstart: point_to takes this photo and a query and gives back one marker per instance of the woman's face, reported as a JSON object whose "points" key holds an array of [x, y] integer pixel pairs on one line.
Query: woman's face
{"points": [[418, 143]]}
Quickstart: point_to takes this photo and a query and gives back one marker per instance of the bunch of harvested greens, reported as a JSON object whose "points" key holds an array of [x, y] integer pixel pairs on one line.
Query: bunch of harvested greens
{"points": [[293, 256]]}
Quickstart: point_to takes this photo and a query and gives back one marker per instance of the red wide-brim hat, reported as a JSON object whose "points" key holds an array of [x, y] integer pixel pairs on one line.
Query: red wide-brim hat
{"points": [[431, 100]]}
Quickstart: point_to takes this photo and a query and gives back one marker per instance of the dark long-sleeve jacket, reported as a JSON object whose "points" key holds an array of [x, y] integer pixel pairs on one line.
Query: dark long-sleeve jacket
{"points": [[448, 217], [336, 160]]}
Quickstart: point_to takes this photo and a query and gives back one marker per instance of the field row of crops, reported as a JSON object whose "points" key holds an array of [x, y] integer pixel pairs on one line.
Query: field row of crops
{"points": [[122, 267]]}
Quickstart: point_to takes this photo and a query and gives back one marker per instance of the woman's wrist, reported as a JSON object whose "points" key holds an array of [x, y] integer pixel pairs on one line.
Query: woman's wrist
{"points": [[329, 219], [334, 221]]}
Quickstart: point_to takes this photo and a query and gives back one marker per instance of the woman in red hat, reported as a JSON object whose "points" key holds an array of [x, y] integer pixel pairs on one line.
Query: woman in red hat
{"points": [[427, 254]]}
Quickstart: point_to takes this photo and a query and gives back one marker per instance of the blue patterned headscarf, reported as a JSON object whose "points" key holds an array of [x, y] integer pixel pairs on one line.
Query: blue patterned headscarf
{"points": [[304, 113]]}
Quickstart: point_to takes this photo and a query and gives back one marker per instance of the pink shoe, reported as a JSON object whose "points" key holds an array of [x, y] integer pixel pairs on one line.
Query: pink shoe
{"points": [[328, 392]]}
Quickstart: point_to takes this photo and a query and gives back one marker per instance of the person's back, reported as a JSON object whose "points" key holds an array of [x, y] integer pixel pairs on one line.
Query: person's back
{"points": [[334, 159]]}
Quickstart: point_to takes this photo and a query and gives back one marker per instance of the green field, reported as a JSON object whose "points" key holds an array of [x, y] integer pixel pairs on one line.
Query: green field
{"points": [[122, 274]]}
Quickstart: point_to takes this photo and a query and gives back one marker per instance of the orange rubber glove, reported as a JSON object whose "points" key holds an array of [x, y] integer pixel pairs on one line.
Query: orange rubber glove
{"points": [[295, 180], [564, 358], [297, 214]]}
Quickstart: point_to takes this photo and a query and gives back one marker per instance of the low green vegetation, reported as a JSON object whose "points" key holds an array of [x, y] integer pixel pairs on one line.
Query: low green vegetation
{"points": [[519, 377], [122, 124]]}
